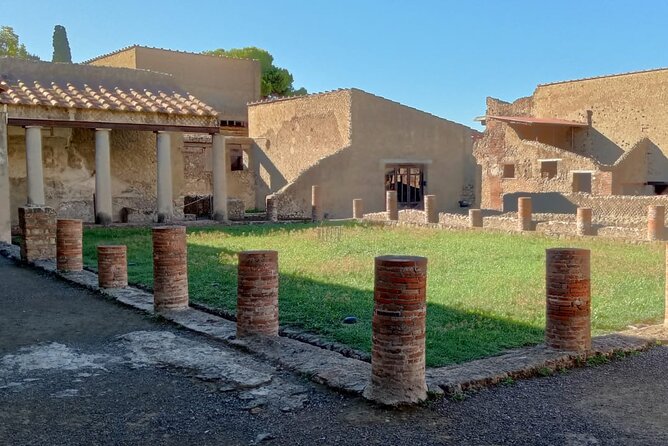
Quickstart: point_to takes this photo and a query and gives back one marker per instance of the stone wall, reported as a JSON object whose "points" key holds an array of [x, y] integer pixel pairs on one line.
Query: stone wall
{"points": [[625, 145], [303, 145]]}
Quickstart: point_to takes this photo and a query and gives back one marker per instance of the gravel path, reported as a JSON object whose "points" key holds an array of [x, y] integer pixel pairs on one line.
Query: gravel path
{"points": [[76, 368]]}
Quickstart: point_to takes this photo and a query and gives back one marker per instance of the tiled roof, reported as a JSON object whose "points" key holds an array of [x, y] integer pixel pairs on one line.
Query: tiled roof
{"points": [[99, 88]]}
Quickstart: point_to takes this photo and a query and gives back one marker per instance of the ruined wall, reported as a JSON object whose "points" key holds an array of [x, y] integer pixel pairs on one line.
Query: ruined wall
{"points": [[69, 171], [627, 140], [624, 109], [383, 132]]}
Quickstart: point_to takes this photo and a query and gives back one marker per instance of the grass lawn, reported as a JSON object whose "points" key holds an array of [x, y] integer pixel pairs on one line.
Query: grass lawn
{"points": [[485, 290]]}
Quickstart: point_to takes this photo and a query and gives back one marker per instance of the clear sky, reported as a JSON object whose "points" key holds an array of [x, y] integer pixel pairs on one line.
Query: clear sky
{"points": [[443, 57]]}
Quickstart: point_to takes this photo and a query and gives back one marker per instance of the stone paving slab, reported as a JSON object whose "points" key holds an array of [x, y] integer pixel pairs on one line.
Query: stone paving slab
{"points": [[352, 375]]}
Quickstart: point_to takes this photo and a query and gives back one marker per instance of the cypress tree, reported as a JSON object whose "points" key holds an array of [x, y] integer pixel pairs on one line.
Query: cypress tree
{"points": [[61, 46]]}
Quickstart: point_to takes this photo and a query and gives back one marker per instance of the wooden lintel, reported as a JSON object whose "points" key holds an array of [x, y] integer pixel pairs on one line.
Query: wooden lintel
{"points": [[23, 122]]}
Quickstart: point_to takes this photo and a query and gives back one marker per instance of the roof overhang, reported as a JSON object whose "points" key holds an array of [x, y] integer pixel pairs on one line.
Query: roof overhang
{"points": [[527, 120], [147, 127]]}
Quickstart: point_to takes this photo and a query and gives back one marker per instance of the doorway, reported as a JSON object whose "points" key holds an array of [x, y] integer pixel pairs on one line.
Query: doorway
{"points": [[408, 181]]}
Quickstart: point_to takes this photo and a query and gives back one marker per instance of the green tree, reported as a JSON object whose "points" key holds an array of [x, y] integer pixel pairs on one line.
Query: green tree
{"points": [[61, 46], [275, 81], [10, 45]]}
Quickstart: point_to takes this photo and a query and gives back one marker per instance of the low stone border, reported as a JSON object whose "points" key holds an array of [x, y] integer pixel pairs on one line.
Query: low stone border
{"points": [[351, 375]]}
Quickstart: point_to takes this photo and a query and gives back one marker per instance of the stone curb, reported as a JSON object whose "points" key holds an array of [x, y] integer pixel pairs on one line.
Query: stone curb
{"points": [[351, 375]]}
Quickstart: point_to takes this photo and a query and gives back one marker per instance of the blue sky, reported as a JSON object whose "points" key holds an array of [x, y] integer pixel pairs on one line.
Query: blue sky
{"points": [[443, 57]]}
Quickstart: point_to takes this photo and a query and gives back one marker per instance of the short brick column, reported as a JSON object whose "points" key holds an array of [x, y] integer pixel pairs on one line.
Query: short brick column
{"points": [[38, 229], [430, 211], [358, 208], [316, 204], [391, 205], [398, 343], [583, 221], [69, 245], [271, 208], [170, 268], [257, 293], [568, 295], [112, 266], [475, 218], [524, 214], [656, 219]]}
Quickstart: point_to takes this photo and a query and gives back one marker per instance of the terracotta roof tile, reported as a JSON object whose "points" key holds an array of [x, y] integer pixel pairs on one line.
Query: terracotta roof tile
{"points": [[101, 88]]}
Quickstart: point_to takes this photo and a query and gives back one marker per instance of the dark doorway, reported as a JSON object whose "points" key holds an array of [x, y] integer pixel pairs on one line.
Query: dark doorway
{"points": [[408, 181]]}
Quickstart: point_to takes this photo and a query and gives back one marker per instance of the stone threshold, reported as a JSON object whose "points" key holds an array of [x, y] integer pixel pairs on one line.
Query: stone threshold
{"points": [[351, 375]]}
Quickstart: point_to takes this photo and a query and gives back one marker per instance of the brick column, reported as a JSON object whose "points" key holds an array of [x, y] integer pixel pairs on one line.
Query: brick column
{"points": [[656, 218], [568, 295], [475, 218], [257, 293], [271, 208], [38, 226], [358, 208], [170, 268], [112, 266], [398, 350], [583, 221], [430, 212], [69, 245], [524, 214], [391, 205], [316, 204]]}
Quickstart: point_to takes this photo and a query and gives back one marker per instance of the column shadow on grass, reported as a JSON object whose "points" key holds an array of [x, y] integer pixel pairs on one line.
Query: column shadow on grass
{"points": [[454, 335]]}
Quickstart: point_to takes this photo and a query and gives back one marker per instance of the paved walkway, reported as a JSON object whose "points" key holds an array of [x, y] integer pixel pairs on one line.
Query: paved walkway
{"points": [[76, 368]]}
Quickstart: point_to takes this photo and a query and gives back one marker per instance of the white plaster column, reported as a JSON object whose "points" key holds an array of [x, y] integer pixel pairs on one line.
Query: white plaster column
{"points": [[164, 157], [34, 169], [219, 148], [5, 206], [103, 207]]}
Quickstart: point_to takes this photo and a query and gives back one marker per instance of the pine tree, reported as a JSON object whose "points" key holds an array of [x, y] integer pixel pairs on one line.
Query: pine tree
{"points": [[61, 46]]}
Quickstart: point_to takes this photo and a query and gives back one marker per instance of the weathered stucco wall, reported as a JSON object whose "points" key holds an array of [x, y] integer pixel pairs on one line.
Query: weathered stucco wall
{"points": [[226, 84], [69, 171], [380, 132]]}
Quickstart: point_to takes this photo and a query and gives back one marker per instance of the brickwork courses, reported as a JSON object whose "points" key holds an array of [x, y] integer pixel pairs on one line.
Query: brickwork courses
{"points": [[69, 245], [170, 268], [568, 296], [38, 227], [399, 331], [112, 266], [257, 293]]}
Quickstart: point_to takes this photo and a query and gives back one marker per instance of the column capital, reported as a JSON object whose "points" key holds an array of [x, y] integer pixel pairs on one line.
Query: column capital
{"points": [[102, 130], [33, 127]]}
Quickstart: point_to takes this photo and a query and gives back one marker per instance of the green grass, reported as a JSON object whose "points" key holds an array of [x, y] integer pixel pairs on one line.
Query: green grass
{"points": [[485, 290]]}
